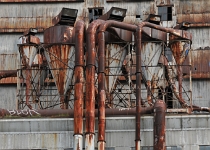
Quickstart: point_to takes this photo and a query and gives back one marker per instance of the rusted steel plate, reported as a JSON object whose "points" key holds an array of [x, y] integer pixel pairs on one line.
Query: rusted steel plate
{"points": [[19, 24], [200, 64], [193, 11], [37, 1], [59, 34]]}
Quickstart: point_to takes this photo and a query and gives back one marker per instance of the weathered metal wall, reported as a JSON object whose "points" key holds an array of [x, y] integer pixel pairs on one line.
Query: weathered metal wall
{"points": [[195, 12], [8, 96], [187, 132], [200, 94], [40, 15]]}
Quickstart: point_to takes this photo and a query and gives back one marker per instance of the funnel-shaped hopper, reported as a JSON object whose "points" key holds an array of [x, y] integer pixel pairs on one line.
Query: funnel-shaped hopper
{"points": [[32, 61], [61, 62], [179, 49], [150, 55], [34, 77], [115, 56], [28, 53]]}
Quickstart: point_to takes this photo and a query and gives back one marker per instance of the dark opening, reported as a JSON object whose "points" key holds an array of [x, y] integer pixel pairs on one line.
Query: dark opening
{"points": [[165, 12], [95, 13], [160, 94], [169, 97]]}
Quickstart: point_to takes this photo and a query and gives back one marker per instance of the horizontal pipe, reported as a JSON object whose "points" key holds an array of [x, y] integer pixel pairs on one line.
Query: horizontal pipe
{"points": [[67, 113], [8, 73]]}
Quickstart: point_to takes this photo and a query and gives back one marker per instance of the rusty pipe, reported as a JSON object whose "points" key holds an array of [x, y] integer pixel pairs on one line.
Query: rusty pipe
{"points": [[159, 125], [8, 73], [198, 108], [90, 84], [68, 113], [79, 81], [101, 75]]}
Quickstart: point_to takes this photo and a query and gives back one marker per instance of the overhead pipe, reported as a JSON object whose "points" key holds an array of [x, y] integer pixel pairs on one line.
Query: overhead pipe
{"points": [[90, 84], [159, 125], [101, 76], [78, 85]]}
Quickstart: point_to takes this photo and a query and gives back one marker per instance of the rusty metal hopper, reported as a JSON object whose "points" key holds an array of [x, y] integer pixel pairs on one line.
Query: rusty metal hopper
{"points": [[150, 55], [61, 62], [28, 53], [33, 76], [60, 55], [115, 55], [180, 51]]}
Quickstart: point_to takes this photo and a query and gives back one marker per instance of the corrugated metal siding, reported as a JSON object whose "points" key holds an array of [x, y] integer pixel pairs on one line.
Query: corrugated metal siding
{"points": [[184, 131], [40, 15], [193, 11], [200, 37], [200, 94], [8, 61], [9, 42], [8, 96], [200, 64]]}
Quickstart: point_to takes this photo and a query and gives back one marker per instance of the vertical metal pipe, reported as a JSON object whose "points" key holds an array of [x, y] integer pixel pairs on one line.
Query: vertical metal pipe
{"points": [[79, 81], [101, 90], [159, 125], [90, 85], [138, 86]]}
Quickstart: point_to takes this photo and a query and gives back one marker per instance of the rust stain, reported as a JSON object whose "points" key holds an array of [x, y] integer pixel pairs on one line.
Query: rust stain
{"points": [[200, 64], [59, 62], [66, 34], [18, 24], [9, 80]]}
